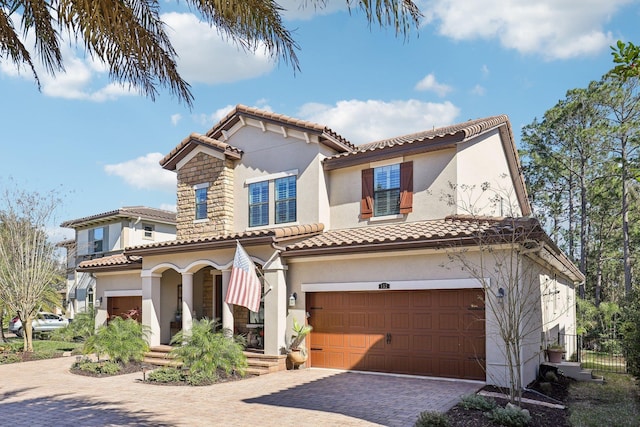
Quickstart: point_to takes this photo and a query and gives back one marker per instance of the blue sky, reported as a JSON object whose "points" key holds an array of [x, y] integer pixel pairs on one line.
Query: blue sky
{"points": [[99, 144]]}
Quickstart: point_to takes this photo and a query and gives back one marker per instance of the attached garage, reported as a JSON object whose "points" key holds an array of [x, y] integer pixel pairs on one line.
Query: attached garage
{"points": [[419, 332], [123, 306]]}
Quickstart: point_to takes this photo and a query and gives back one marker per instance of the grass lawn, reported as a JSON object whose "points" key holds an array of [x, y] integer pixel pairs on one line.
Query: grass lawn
{"points": [[616, 403], [603, 362], [42, 349]]}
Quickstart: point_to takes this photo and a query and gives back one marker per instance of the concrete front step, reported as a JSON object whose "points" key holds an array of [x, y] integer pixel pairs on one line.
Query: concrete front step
{"points": [[574, 370], [160, 356]]}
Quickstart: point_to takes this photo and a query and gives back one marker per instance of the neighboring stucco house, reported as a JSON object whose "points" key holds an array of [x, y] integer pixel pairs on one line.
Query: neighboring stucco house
{"points": [[357, 240], [105, 235]]}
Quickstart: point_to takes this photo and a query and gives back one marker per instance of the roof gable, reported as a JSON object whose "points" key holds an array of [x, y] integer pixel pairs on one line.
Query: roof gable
{"points": [[133, 212], [287, 126]]}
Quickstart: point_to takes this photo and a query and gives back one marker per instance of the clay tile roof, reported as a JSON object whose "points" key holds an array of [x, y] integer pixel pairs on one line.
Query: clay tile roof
{"points": [[242, 110], [464, 130], [111, 262], [228, 240], [190, 143], [143, 212], [433, 233]]}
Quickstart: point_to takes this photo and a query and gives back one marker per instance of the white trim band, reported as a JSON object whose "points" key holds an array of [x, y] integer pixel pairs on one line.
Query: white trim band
{"points": [[123, 293], [395, 285], [271, 177]]}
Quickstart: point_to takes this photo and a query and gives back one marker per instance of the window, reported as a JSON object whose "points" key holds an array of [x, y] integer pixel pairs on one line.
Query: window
{"points": [[97, 240], [147, 231], [201, 200], [285, 199], [259, 203], [387, 190]]}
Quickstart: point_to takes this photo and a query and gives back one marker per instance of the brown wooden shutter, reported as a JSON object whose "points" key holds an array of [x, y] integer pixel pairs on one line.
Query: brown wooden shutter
{"points": [[406, 187], [366, 204]]}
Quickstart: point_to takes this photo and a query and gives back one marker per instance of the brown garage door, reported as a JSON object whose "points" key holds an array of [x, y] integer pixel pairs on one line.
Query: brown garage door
{"points": [[436, 333], [124, 307]]}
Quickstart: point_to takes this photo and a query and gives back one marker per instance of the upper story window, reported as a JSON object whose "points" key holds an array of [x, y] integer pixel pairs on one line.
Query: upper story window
{"points": [[258, 203], [147, 231], [387, 190], [201, 200], [285, 199], [98, 240], [273, 198]]}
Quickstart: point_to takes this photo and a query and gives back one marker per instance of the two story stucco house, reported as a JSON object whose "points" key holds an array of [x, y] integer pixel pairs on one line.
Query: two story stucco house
{"points": [[358, 241], [106, 235]]}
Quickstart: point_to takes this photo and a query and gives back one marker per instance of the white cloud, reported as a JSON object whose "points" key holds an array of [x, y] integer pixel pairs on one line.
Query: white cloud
{"points": [[367, 121], [553, 29], [478, 90], [175, 119], [485, 70], [204, 56], [169, 207], [144, 173], [429, 83]]}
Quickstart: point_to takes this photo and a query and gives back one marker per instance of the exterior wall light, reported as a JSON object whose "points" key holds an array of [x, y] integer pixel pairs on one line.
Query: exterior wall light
{"points": [[292, 299]]}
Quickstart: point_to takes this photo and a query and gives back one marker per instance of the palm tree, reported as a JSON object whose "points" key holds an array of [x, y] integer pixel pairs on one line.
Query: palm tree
{"points": [[130, 38]]}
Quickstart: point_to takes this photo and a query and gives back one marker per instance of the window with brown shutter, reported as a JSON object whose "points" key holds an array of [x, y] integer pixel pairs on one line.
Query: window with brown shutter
{"points": [[406, 187], [366, 204], [387, 190]]}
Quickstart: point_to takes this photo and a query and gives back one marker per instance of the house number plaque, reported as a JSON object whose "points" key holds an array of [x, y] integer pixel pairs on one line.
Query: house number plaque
{"points": [[384, 285]]}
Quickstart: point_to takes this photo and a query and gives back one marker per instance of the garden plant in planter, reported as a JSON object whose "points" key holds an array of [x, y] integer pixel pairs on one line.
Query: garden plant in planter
{"points": [[555, 352], [296, 353]]}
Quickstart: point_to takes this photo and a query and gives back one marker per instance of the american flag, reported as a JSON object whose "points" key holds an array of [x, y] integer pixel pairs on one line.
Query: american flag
{"points": [[245, 288]]}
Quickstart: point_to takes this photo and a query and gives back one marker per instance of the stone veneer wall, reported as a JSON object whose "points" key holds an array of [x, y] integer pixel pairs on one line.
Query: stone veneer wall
{"points": [[219, 174]]}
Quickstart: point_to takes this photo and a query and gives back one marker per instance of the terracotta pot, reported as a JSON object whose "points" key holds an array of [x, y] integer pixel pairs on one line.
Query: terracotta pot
{"points": [[296, 358], [555, 355]]}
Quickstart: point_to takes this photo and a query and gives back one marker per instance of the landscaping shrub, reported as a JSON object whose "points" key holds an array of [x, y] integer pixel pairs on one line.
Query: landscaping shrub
{"points": [[206, 350], [82, 327], [166, 375], [99, 368], [432, 419], [509, 416], [631, 333], [475, 401], [122, 340]]}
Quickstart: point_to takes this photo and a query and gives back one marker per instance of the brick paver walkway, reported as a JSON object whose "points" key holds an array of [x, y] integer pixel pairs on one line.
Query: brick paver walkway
{"points": [[44, 393]]}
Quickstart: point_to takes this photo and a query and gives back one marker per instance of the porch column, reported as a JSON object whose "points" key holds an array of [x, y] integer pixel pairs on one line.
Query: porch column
{"points": [[275, 307], [187, 302], [227, 310], [151, 305]]}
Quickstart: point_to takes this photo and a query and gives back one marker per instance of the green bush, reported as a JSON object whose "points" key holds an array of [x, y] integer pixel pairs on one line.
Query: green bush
{"points": [[631, 333], [509, 416], [432, 419], [166, 375], [6, 358], [105, 367], [475, 401], [205, 350], [122, 340], [82, 327], [201, 378]]}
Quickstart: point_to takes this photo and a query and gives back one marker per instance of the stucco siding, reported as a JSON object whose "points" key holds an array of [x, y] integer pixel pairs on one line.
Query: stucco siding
{"points": [[118, 283], [276, 154], [483, 160]]}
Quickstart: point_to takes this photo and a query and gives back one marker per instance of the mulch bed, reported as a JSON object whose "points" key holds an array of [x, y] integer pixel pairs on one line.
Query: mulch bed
{"points": [[541, 416]]}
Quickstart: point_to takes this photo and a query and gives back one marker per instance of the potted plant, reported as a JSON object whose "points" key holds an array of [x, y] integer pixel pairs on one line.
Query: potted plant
{"points": [[555, 352], [296, 353]]}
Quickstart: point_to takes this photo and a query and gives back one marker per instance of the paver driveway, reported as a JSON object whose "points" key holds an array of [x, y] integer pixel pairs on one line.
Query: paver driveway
{"points": [[44, 393]]}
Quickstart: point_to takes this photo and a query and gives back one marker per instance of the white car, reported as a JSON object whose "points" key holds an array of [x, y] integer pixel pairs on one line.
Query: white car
{"points": [[44, 322]]}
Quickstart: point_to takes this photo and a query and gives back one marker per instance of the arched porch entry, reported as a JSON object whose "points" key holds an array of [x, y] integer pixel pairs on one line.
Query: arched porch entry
{"points": [[173, 297]]}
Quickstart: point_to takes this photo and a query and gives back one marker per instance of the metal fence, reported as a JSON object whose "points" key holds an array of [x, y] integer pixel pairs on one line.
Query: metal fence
{"points": [[602, 354]]}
